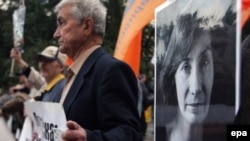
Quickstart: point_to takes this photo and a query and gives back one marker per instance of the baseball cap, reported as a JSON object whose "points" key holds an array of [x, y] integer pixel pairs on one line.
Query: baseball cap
{"points": [[53, 53]]}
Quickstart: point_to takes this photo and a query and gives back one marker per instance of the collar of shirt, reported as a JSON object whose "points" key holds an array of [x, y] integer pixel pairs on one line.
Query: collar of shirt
{"points": [[75, 67], [54, 82]]}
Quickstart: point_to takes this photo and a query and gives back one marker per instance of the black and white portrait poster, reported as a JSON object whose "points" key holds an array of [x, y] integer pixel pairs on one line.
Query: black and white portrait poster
{"points": [[196, 69]]}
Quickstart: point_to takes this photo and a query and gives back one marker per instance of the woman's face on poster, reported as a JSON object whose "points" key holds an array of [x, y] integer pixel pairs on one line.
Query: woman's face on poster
{"points": [[194, 80]]}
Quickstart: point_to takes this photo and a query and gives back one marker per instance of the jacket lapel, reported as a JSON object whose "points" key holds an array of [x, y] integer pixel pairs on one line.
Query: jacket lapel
{"points": [[79, 79]]}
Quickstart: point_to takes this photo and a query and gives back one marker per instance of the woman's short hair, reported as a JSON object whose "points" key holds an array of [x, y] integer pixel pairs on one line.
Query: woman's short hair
{"points": [[188, 27]]}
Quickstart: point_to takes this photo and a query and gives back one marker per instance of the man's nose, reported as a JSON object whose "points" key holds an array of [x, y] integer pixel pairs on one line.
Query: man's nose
{"points": [[56, 33]]}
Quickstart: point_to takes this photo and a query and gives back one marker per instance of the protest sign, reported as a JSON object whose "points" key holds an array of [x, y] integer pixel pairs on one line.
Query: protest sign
{"points": [[26, 134], [18, 25], [197, 69], [48, 119]]}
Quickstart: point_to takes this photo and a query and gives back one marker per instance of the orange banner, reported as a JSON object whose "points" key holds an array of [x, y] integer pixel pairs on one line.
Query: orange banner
{"points": [[245, 4], [137, 15], [69, 61], [133, 53], [245, 13]]}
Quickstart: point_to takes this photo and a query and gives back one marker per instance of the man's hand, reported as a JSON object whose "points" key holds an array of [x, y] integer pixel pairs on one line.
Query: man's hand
{"points": [[74, 132], [34, 135], [17, 56]]}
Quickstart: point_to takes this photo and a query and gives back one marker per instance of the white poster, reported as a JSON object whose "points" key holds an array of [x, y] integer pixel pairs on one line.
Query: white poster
{"points": [[48, 119], [5, 133], [26, 134], [196, 65], [18, 25]]}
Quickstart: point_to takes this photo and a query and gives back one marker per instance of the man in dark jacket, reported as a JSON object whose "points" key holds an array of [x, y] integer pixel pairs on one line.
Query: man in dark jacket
{"points": [[100, 99]]}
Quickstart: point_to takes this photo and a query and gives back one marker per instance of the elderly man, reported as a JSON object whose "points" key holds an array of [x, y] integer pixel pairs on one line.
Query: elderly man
{"points": [[50, 80], [100, 99]]}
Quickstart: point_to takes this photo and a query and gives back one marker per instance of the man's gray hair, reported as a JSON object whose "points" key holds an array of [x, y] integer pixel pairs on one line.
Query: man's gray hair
{"points": [[82, 9]]}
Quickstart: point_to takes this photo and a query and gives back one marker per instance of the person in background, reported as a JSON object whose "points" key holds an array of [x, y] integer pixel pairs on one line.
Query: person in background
{"points": [[11, 103], [100, 98], [50, 80], [23, 86], [13, 107], [147, 100]]}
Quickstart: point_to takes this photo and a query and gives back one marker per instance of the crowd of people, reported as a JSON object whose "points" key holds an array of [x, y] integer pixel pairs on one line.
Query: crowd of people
{"points": [[100, 95], [96, 106]]}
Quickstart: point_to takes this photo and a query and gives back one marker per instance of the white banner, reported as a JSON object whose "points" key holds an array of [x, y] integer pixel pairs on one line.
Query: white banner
{"points": [[49, 119], [5, 134], [26, 134], [18, 25]]}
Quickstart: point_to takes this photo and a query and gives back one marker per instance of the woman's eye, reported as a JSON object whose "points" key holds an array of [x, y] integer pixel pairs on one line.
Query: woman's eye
{"points": [[204, 62], [186, 67]]}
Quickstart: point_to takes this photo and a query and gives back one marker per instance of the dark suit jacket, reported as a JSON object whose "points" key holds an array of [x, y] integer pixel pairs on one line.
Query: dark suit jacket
{"points": [[103, 99], [243, 115]]}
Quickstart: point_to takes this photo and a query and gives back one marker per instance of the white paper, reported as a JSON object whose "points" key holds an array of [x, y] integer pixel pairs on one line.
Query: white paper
{"points": [[18, 25], [5, 133], [48, 119], [26, 134]]}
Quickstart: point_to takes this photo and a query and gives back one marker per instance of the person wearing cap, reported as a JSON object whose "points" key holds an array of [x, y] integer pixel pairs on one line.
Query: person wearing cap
{"points": [[50, 79], [100, 100]]}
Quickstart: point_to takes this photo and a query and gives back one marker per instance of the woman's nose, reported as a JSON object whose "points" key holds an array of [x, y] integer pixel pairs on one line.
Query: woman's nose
{"points": [[195, 85]]}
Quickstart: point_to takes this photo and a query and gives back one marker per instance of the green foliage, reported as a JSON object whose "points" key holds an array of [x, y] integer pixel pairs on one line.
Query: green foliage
{"points": [[114, 17], [38, 33], [147, 52]]}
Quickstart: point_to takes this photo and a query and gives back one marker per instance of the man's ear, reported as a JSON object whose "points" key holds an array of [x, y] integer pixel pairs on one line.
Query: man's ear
{"points": [[88, 25]]}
